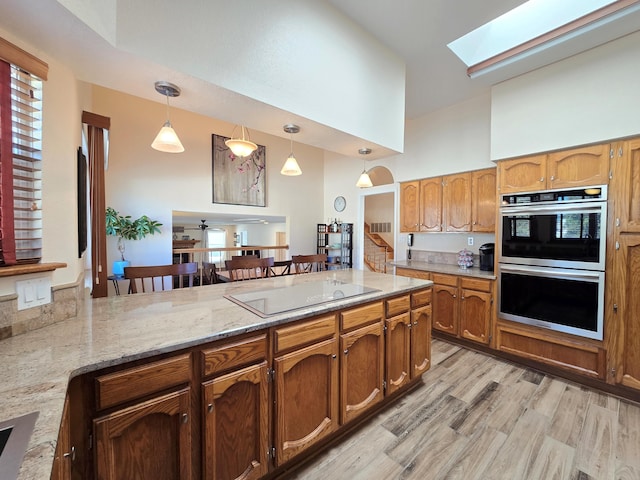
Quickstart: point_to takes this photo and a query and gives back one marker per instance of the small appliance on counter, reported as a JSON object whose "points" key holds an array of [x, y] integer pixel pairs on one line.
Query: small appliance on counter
{"points": [[486, 256]]}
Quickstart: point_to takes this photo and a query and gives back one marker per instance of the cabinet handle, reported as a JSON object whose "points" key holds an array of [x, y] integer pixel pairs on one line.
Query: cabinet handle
{"points": [[334, 356], [553, 178], [542, 179], [615, 307], [346, 351], [185, 418], [455, 296], [210, 408], [415, 323], [462, 297], [71, 455], [617, 222]]}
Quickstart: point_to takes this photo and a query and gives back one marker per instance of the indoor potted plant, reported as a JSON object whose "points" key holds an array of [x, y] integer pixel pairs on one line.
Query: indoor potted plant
{"points": [[124, 228]]}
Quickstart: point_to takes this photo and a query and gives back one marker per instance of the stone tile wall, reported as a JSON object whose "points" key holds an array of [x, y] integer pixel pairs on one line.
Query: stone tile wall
{"points": [[65, 304]]}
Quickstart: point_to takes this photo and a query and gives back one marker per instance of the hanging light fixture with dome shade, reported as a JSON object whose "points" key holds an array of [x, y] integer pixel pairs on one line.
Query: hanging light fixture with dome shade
{"points": [[364, 181], [241, 147], [291, 167], [167, 140]]}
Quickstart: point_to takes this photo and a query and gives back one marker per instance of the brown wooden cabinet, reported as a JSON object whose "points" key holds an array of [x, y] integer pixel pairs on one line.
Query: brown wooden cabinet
{"points": [[463, 306], [362, 360], [461, 202], [456, 202], [421, 205], [420, 332], [626, 186], [236, 428], [64, 454], [398, 348], [483, 200], [151, 439], [236, 409], [572, 168], [306, 386]]}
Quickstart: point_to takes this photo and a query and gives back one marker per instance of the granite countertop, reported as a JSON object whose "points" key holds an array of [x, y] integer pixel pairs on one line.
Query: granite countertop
{"points": [[444, 268], [37, 366]]}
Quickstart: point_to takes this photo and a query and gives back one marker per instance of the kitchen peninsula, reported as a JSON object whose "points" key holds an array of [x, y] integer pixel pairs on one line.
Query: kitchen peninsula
{"points": [[189, 356]]}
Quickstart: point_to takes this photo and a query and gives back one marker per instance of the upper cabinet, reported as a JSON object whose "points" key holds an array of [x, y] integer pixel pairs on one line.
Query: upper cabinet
{"points": [[461, 202], [483, 200], [625, 165], [577, 167]]}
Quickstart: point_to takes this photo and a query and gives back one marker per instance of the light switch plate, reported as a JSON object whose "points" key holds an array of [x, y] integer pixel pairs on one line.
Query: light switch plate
{"points": [[33, 293]]}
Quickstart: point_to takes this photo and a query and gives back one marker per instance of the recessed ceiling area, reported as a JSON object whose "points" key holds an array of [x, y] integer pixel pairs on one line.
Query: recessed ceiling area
{"points": [[191, 219]]}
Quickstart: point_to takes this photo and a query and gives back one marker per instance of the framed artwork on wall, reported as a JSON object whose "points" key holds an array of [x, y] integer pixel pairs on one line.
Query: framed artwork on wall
{"points": [[238, 180]]}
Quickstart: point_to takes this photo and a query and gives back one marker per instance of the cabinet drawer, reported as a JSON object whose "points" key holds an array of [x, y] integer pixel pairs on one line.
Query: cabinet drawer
{"points": [[421, 298], [396, 306], [126, 385], [480, 284], [357, 317], [231, 355], [304, 333], [408, 272], [443, 279]]}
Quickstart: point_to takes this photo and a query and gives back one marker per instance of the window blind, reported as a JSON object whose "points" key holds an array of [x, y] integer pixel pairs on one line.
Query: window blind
{"points": [[26, 116]]}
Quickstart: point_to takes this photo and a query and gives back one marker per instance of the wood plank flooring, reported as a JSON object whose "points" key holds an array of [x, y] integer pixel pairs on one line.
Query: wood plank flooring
{"points": [[478, 417]]}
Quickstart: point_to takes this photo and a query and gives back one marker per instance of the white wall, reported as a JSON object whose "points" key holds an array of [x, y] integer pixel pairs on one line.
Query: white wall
{"points": [[589, 98], [141, 180], [303, 57]]}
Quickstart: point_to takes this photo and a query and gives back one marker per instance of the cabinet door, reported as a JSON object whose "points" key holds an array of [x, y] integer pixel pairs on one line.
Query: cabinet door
{"points": [[483, 200], [397, 351], [456, 202], [579, 167], [522, 174], [445, 308], [362, 370], [627, 318], [431, 205], [626, 179], [475, 315], [236, 426], [420, 340], [148, 440], [409, 206], [306, 383], [63, 457]]}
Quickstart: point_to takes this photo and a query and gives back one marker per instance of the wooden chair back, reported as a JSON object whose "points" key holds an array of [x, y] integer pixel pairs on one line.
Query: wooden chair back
{"points": [[248, 268], [209, 273], [309, 263], [154, 278]]}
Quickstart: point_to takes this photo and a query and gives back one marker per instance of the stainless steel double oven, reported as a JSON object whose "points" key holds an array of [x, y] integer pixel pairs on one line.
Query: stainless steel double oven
{"points": [[551, 259]]}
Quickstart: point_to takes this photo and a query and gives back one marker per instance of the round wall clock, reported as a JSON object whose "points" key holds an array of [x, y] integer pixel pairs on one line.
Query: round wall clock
{"points": [[339, 204]]}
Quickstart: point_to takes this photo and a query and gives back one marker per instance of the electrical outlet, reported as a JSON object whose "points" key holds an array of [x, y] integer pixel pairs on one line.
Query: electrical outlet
{"points": [[469, 240]]}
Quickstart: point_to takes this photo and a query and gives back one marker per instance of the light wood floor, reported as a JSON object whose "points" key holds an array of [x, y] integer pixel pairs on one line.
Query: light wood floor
{"points": [[478, 417]]}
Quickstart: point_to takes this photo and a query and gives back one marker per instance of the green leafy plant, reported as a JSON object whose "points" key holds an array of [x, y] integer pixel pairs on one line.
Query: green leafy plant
{"points": [[124, 228]]}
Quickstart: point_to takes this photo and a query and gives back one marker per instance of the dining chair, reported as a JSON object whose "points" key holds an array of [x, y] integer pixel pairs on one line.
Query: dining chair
{"points": [[309, 263], [149, 278], [209, 273], [281, 268], [248, 268]]}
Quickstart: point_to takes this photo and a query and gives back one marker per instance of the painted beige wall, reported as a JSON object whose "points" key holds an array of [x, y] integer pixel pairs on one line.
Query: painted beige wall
{"points": [[140, 180], [589, 98]]}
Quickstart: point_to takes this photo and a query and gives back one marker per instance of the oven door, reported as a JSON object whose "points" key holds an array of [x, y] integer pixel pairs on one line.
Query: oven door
{"points": [[565, 300], [555, 235]]}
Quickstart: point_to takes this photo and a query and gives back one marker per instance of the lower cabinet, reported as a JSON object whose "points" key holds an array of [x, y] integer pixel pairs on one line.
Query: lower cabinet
{"points": [[463, 306], [241, 408], [236, 424], [362, 360], [151, 439], [306, 392]]}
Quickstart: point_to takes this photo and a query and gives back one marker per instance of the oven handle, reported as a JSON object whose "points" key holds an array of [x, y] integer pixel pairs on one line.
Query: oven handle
{"points": [[585, 275], [554, 208]]}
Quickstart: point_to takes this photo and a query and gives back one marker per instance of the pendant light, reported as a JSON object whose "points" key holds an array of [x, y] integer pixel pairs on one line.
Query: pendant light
{"points": [[291, 167], [167, 140], [364, 181], [240, 146]]}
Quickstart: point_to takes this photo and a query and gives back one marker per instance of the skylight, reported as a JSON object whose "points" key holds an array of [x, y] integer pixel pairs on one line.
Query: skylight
{"points": [[520, 25]]}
